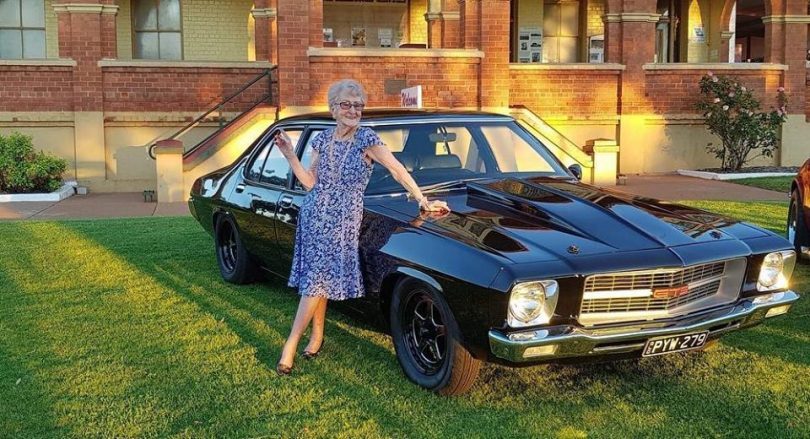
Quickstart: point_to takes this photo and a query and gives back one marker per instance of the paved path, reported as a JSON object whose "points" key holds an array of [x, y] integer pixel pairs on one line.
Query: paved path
{"points": [[665, 187], [111, 205], [674, 187]]}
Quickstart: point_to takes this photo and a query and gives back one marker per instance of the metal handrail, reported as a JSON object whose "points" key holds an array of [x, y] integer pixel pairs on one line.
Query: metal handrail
{"points": [[219, 105]]}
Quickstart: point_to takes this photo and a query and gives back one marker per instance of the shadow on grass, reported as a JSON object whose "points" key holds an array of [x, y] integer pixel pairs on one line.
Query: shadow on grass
{"points": [[357, 388]]}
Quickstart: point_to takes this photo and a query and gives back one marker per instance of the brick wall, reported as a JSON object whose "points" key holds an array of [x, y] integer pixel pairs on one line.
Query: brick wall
{"points": [[676, 91], [216, 30], [51, 31], [418, 32], [123, 24], [177, 89], [36, 88], [446, 82], [566, 92], [698, 51], [595, 25]]}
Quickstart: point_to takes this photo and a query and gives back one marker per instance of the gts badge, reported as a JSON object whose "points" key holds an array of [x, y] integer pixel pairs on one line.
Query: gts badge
{"points": [[670, 292]]}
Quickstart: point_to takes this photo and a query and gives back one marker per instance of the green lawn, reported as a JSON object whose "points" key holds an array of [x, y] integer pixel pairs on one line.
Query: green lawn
{"points": [[779, 184], [122, 328]]}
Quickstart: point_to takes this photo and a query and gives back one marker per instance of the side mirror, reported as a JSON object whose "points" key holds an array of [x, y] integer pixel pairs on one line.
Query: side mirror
{"points": [[576, 169]]}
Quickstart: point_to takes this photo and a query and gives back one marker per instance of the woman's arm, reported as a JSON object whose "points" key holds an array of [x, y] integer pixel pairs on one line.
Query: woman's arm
{"points": [[383, 156], [307, 177]]}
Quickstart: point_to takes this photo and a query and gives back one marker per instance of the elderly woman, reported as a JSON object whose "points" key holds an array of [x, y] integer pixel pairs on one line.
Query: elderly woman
{"points": [[326, 259]]}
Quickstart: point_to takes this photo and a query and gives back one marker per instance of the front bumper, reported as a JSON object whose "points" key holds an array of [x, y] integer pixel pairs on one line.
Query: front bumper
{"points": [[571, 341]]}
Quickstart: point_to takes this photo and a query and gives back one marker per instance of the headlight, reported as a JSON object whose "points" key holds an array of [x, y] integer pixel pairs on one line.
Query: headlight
{"points": [[532, 303], [776, 270]]}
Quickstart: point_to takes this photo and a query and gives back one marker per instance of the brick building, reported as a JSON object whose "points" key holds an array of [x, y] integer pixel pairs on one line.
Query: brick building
{"points": [[97, 81]]}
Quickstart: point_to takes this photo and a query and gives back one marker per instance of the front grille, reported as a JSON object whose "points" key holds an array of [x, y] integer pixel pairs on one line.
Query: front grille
{"points": [[702, 280]]}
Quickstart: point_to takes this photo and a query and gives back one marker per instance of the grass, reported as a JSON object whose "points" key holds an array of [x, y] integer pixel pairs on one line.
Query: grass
{"points": [[123, 328], [779, 184]]}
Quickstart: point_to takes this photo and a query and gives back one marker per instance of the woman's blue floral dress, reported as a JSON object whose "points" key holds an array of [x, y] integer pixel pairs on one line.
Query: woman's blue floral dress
{"points": [[326, 258]]}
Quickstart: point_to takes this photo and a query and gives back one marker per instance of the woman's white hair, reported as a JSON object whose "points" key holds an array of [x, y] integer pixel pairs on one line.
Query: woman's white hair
{"points": [[345, 85]]}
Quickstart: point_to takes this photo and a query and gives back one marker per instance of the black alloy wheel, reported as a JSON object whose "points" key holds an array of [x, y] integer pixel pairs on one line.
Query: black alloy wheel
{"points": [[797, 232], [235, 263], [427, 340], [424, 331]]}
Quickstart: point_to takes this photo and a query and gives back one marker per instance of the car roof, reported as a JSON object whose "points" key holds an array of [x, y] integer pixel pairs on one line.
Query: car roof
{"points": [[377, 115]]}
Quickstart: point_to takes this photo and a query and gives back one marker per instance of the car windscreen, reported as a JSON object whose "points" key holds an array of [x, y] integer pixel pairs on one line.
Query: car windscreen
{"points": [[441, 152]]}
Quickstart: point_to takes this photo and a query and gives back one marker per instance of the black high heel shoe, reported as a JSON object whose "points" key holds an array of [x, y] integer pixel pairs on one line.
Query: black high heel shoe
{"points": [[283, 369], [311, 355]]}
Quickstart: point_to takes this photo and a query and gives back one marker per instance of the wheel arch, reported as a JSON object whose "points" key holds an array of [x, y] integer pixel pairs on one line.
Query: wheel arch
{"points": [[397, 277]]}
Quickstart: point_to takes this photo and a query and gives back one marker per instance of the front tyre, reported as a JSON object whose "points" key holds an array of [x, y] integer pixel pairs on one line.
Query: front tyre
{"points": [[235, 264], [427, 340], [797, 232]]}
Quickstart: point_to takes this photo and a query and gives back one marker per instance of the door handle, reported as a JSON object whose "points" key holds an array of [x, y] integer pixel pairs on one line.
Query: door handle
{"points": [[286, 201], [239, 188], [254, 196]]}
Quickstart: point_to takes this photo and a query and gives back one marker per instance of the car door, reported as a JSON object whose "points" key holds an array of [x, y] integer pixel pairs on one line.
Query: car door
{"points": [[290, 206], [263, 186]]}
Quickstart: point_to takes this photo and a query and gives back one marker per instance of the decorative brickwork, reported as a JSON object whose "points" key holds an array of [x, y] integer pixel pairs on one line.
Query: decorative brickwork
{"points": [[574, 93], [676, 91], [446, 82], [36, 88], [177, 89]]}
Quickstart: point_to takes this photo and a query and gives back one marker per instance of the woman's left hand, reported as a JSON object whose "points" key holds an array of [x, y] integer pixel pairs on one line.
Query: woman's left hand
{"points": [[433, 206]]}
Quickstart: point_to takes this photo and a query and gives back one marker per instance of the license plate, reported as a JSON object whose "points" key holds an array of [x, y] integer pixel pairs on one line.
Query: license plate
{"points": [[674, 343]]}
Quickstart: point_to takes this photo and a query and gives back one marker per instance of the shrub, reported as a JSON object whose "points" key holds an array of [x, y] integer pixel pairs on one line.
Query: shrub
{"points": [[732, 113], [24, 170]]}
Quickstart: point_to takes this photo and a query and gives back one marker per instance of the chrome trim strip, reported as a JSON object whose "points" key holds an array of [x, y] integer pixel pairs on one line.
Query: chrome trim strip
{"points": [[616, 294], [583, 342]]}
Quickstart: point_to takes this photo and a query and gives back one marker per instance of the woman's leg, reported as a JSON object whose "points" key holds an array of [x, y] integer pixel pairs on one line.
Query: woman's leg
{"points": [[306, 308], [318, 324]]}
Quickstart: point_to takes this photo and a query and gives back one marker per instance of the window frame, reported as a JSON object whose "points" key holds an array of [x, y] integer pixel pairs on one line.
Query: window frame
{"points": [[135, 31], [309, 132], [267, 141], [22, 28]]}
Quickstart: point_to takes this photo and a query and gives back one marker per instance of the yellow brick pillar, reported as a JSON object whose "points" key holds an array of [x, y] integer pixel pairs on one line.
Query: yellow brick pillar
{"points": [[605, 154], [169, 166]]}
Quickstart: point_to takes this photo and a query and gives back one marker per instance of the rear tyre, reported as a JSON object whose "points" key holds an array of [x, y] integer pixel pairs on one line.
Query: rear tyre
{"points": [[797, 232], [427, 341], [235, 263]]}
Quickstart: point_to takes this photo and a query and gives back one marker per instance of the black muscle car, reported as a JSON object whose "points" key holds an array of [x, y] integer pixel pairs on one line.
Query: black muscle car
{"points": [[798, 225], [530, 266]]}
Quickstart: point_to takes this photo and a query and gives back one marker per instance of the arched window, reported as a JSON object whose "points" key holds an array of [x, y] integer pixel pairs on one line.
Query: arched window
{"points": [[157, 29], [22, 29], [749, 31]]}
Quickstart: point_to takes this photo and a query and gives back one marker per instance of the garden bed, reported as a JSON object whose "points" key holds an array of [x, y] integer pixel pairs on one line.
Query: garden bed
{"points": [[68, 189], [752, 172]]}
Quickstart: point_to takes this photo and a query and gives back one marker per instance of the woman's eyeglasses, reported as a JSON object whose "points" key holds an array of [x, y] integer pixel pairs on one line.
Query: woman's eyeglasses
{"points": [[345, 105]]}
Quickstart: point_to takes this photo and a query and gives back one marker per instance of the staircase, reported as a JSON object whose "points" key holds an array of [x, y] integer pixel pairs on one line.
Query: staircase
{"points": [[598, 158], [224, 146], [178, 167]]}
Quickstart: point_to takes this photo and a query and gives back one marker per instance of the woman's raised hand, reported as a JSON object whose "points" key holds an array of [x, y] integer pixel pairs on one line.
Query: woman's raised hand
{"points": [[284, 144]]}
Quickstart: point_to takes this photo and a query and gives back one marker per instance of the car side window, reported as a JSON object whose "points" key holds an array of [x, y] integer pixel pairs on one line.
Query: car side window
{"points": [[306, 156], [254, 172], [276, 169]]}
